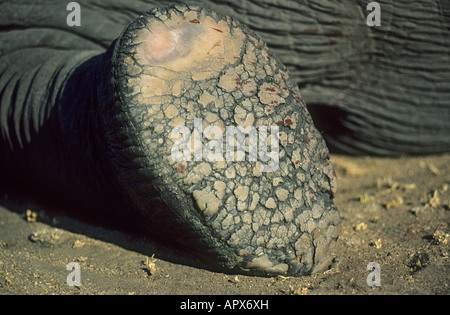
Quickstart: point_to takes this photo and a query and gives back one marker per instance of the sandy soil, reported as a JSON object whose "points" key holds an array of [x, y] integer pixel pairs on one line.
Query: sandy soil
{"points": [[395, 212]]}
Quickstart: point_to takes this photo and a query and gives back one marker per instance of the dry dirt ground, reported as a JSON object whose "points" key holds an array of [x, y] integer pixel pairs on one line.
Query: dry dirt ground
{"points": [[395, 212]]}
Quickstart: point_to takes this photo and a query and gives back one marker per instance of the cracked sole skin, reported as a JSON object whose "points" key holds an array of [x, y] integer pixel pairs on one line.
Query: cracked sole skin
{"points": [[190, 68]]}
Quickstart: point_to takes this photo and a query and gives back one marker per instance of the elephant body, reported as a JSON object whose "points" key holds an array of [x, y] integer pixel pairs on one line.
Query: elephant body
{"points": [[73, 125], [371, 90]]}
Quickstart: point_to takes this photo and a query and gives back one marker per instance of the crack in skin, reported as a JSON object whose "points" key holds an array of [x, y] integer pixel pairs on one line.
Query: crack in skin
{"points": [[184, 63]]}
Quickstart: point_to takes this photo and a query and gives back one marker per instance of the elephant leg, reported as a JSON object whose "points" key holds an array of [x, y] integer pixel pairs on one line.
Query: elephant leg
{"points": [[189, 123]]}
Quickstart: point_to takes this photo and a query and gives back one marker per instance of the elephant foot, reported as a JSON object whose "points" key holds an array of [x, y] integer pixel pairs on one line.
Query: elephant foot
{"points": [[211, 122]]}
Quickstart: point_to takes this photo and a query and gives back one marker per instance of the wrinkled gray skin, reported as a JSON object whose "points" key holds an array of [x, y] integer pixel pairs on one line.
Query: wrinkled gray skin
{"points": [[371, 90]]}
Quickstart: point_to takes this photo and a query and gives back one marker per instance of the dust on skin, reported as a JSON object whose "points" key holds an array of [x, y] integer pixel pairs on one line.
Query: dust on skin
{"points": [[184, 48]]}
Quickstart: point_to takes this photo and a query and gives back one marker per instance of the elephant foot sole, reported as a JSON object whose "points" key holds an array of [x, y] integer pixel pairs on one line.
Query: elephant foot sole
{"points": [[220, 132]]}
